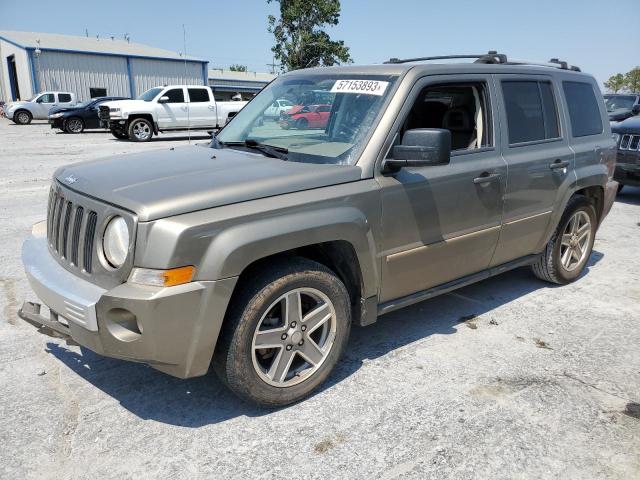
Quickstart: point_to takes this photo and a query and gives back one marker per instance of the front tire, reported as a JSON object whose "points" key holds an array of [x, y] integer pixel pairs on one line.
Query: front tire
{"points": [[284, 333], [22, 117], [140, 130], [74, 125], [569, 249]]}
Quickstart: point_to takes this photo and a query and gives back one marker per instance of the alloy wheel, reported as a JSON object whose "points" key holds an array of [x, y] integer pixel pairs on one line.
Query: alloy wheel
{"points": [[23, 118], [574, 245], [294, 337], [74, 125], [141, 130]]}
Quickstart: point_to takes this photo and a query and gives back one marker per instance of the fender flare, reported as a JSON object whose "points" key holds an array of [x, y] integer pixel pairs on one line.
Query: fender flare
{"points": [[235, 248]]}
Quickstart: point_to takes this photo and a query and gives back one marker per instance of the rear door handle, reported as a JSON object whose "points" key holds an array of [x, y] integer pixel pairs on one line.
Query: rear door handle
{"points": [[559, 164], [486, 177]]}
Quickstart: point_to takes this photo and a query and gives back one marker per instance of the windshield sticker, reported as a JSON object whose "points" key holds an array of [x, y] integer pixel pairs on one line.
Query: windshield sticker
{"points": [[366, 87]]}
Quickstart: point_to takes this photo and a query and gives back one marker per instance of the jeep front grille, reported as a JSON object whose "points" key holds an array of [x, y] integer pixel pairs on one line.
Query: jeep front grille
{"points": [[629, 142], [71, 231]]}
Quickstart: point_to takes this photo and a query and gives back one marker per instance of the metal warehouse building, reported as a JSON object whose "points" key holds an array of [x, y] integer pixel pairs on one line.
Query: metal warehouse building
{"points": [[226, 83], [88, 66]]}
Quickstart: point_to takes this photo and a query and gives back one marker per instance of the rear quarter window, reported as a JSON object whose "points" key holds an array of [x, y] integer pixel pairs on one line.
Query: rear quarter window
{"points": [[64, 97], [584, 113]]}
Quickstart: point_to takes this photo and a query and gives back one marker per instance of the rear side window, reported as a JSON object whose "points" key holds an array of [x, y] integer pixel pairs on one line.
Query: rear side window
{"points": [[532, 114], [198, 95], [64, 97], [176, 95], [584, 113]]}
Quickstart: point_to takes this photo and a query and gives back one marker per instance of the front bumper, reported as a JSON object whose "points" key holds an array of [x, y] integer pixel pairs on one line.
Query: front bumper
{"points": [[173, 329], [57, 122], [628, 173]]}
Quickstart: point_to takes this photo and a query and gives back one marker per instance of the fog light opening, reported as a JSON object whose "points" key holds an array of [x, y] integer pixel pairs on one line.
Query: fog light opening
{"points": [[123, 324]]}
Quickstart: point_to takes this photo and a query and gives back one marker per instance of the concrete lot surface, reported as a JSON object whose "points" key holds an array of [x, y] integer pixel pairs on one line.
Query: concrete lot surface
{"points": [[509, 378]]}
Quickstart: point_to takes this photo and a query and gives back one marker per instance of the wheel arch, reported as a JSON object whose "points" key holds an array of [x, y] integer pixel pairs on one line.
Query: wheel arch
{"points": [[146, 116], [345, 246]]}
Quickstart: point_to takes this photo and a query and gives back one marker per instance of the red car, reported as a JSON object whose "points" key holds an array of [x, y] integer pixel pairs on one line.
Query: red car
{"points": [[306, 116]]}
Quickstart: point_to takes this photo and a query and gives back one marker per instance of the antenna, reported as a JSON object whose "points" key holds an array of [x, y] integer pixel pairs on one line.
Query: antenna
{"points": [[184, 46]]}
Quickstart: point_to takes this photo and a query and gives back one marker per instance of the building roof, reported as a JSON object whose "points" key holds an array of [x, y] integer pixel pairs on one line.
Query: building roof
{"points": [[220, 74], [100, 45]]}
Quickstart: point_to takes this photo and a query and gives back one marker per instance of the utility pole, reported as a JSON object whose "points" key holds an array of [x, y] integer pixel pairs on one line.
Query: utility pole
{"points": [[273, 65]]}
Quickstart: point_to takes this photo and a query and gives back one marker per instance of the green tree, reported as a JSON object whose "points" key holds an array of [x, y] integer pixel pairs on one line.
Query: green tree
{"points": [[615, 83], [238, 68], [632, 80], [301, 41]]}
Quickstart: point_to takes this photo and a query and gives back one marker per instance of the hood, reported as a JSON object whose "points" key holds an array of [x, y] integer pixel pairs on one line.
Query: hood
{"points": [[619, 114], [15, 104], [126, 105], [63, 109], [630, 125], [163, 183]]}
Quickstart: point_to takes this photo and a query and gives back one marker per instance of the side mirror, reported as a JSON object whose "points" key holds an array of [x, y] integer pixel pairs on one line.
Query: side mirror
{"points": [[420, 147], [163, 99], [636, 109]]}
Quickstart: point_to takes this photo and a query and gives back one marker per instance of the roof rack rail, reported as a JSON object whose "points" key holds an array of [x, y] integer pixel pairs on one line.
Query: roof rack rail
{"points": [[491, 57]]}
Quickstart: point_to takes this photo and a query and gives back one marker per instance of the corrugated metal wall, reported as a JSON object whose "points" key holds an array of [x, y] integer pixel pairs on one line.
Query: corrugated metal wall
{"points": [[77, 72], [149, 73]]}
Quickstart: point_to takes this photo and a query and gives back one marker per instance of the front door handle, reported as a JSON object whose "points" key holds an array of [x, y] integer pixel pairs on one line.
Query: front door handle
{"points": [[486, 177], [559, 164]]}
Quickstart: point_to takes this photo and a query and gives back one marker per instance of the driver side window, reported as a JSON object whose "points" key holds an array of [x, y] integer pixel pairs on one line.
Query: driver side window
{"points": [[46, 98], [461, 108], [176, 95]]}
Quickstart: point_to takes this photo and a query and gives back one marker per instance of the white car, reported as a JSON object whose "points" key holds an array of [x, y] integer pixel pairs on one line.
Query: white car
{"points": [[38, 106], [165, 109], [277, 107]]}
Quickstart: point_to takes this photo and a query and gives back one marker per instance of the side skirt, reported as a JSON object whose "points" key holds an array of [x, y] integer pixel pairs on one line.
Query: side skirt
{"points": [[417, 297]]}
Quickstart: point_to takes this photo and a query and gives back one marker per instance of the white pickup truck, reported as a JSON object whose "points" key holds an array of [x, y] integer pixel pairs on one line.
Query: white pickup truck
{"points": [[166, 109]]}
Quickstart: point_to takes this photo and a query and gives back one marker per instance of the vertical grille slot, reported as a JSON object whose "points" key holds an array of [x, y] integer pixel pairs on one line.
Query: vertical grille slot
{"points": [[50, 204], [56, 224], [75, 236], [89, 236], [65, 229]]}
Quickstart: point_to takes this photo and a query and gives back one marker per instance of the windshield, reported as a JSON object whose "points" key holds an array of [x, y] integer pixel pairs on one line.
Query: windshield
{"points": [[310, 118], [615, 102], [31, 99], [149, 94]]}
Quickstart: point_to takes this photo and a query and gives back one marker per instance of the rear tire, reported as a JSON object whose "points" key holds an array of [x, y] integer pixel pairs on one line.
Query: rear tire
{"points": [[74, 125], [569, 249], [300, 311], [22, 117], [140, 130]]}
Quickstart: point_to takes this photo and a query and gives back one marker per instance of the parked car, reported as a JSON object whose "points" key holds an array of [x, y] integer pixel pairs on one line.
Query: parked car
{"points": [[38, 106], [257, 254], [627, 137], [77, 118], [306, 116], [167, 109], [621, 106], [277, 107]]}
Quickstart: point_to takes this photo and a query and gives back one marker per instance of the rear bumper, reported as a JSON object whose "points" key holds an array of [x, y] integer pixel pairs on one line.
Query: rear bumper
{"points": [[610, 192], [173, 329]]}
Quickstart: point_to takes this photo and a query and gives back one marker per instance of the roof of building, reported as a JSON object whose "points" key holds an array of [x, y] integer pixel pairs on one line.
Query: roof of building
{"points": [[220, 74], [100, 45]]}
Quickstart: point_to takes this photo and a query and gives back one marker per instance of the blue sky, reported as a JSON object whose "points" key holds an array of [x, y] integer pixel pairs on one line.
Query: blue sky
{"points": [[599, 36]]}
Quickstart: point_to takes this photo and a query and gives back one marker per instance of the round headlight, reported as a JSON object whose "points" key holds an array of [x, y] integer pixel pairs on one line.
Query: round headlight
{"points": [[115, 243]]}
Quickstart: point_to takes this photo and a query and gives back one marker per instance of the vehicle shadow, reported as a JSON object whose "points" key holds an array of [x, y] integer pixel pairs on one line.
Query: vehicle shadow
{"points": [[629, 195], [201, 401]]}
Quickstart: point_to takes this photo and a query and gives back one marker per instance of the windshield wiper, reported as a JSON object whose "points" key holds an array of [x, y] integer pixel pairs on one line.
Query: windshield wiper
{"points": [[268, 150]]}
